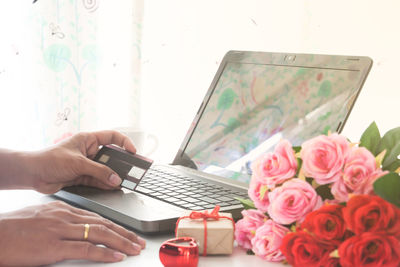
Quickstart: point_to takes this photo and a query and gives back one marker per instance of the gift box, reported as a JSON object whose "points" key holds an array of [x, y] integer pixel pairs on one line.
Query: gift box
{"points": [[213, 232]]}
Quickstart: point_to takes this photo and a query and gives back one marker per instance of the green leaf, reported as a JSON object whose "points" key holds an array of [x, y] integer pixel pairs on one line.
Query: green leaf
{"points": [[334, 254], [388, 188], [296, 149], [299, 164], [325, 192], [370, 138], [390, 161], [391, 142], [250, 252], [263, 190], [247, 203]]}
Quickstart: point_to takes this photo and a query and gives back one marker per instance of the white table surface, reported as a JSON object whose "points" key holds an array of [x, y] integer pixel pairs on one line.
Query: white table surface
{"points": [[16, 199]]}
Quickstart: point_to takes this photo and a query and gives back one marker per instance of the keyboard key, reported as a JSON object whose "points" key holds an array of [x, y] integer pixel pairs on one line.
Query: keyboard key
{"points": [[172, 194], [231, 207], [181, 190], [233, 196], [164, 196], [197, 208], [198, 191], [209, 200], [165, 191], [183, 186], [188, 205], [215, 190], [144, 190], [223, 198], [209, 193], [190, 199], [190, 192], [171, 199], [224, 204], [152, 186], [180, 202]]}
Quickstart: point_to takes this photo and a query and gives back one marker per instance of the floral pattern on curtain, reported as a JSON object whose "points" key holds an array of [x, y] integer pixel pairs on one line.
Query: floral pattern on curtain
{"points": [[79, 61]]}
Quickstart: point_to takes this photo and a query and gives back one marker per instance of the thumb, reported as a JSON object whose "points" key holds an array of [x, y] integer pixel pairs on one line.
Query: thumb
{"points": [[101, 172]]}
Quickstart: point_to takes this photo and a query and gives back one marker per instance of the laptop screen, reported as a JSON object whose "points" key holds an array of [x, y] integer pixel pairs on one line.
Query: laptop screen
{"points": [[252, 106]]}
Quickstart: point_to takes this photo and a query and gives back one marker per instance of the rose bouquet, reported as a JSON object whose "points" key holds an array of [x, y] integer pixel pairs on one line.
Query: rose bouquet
{"points": [[329, 202]]}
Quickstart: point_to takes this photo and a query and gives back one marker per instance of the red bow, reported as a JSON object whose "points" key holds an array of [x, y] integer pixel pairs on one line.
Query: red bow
{"points": [[204, 215]]}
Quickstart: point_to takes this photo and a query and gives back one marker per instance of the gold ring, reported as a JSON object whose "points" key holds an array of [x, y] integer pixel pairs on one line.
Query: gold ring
{"points": [[86, 233]]}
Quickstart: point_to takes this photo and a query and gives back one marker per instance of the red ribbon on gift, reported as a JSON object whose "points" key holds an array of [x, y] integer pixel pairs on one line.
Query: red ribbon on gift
{"points": [[194, 215]]}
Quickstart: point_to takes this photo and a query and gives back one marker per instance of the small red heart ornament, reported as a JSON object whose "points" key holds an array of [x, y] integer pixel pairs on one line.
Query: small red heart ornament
{"points": [[179, 252]]}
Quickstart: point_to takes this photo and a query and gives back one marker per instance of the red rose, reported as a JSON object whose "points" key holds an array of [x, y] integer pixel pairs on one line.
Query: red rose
{"points": [[365, 213], [302, 249], [370, 249], [330, 262], [326, 224]]}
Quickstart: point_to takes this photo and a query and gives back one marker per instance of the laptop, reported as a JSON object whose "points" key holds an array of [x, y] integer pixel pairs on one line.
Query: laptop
{"points": [[255, 99]]}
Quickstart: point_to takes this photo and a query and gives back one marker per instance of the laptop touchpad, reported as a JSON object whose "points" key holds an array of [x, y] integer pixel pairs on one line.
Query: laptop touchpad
{"points": [[127, 202]]}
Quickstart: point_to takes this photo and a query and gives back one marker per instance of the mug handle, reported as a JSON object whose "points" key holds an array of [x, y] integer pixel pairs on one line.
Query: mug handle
{"points": [[154, 141]]}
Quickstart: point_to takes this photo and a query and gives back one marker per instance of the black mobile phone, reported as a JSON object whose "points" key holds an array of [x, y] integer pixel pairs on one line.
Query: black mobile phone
{"points": [[129, 166]]}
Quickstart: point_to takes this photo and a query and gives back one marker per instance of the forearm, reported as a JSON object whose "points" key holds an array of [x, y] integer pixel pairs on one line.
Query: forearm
{"points": [[16, 169]]}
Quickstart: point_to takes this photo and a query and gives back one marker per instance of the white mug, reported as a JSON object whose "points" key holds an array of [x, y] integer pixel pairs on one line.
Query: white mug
{"points": [[146, 143]]}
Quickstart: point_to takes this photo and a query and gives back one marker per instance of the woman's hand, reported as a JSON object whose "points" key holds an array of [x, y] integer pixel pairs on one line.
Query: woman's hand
{"points": [[53, 232], [69, 162]]}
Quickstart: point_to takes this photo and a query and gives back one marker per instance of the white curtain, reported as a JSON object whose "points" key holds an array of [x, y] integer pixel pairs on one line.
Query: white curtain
{"points": [[68, 66]]}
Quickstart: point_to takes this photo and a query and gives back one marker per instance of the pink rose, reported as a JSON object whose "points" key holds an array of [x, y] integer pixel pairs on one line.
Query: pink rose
{"points": [[359, 174], [324, 157], [267, 241], [245, 228], [275, 168], [293, 201], [258, 193]]}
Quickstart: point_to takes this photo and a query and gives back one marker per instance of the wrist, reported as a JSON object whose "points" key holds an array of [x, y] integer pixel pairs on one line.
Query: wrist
{"points": [[17, 169]]}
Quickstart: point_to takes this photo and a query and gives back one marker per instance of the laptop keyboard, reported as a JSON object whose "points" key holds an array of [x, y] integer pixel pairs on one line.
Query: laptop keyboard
{"points": [[187, 192]]}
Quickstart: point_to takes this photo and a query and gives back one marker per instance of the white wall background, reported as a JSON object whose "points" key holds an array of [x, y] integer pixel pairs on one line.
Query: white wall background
{"points": [[184, 41]]}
